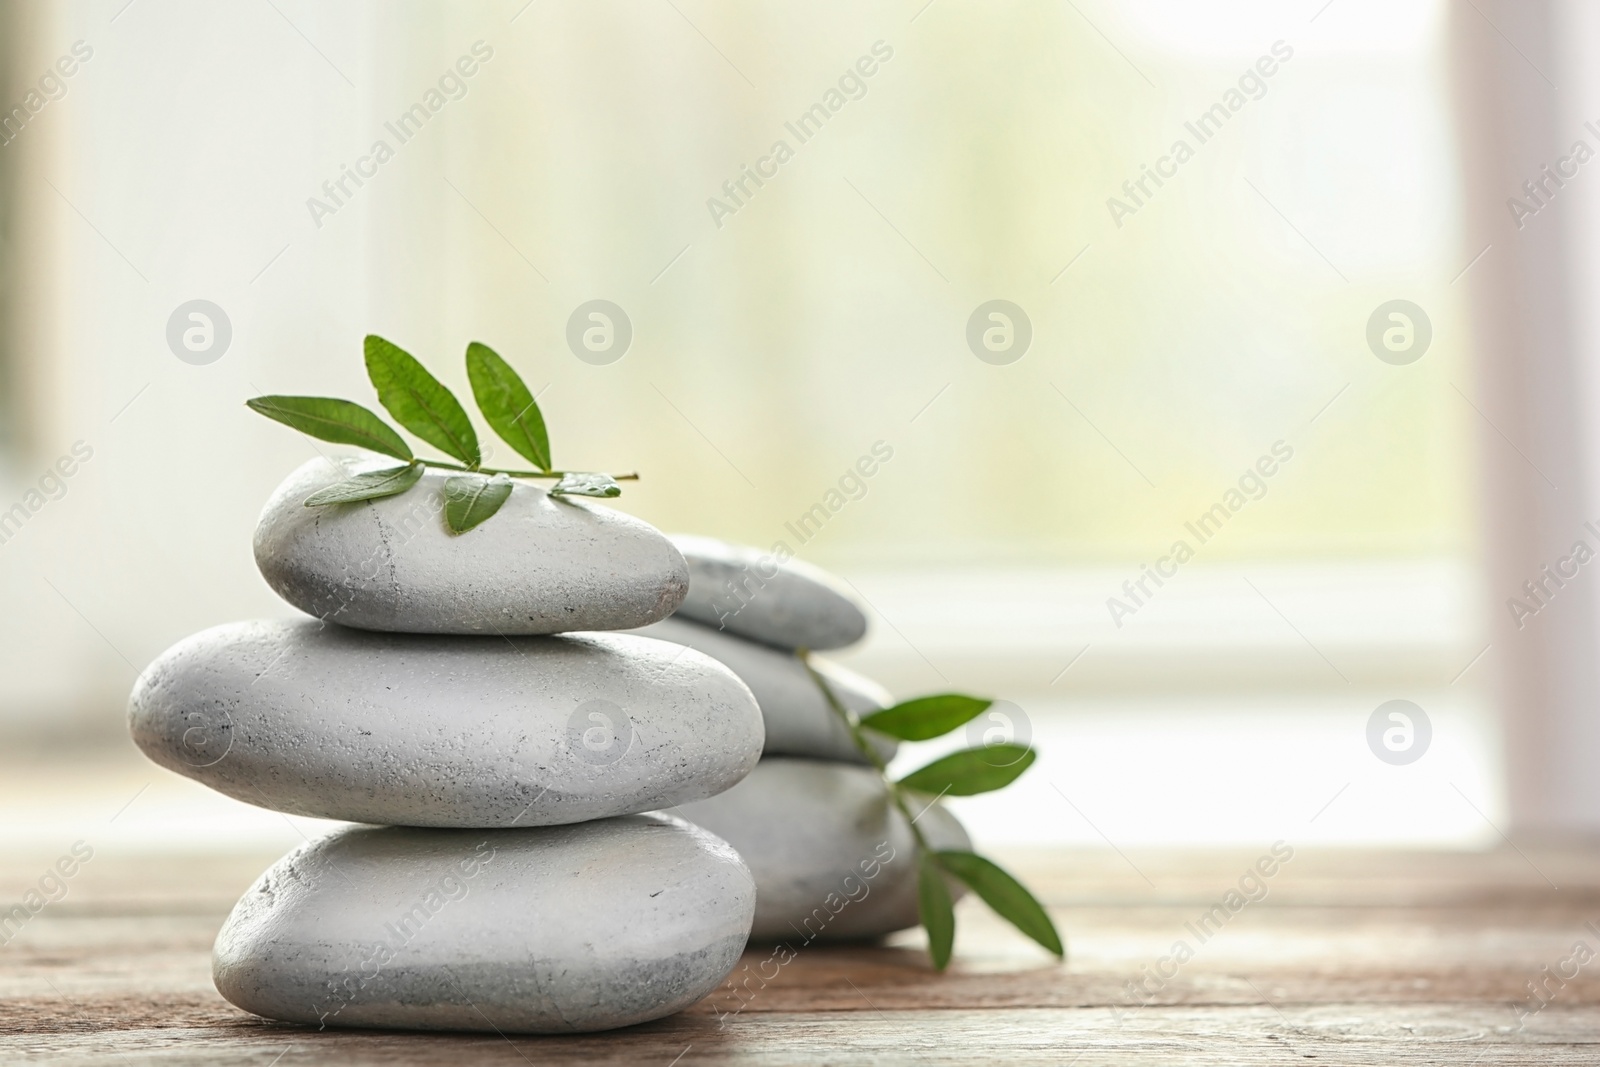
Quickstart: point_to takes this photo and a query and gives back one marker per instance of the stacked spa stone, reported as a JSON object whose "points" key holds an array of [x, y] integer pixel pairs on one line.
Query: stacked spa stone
{"points": [[508, 881], [832, 857]]}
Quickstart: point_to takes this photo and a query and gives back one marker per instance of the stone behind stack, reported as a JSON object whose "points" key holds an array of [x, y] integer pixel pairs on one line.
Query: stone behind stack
{"points": [[512, 883], [798, 720], [833, 858]]}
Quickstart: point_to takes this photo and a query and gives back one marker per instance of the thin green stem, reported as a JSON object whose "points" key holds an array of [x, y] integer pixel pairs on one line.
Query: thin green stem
{"points": [[630, 477], [853, 724]]}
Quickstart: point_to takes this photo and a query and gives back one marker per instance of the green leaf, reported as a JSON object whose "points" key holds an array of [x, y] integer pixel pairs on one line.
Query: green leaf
{"points": [[338, 421], [925, 717], [508, 405], [470, 499], [368, 485], [938, 914], [1007, 896], [586, 485], [971, 771], [419, 402]]}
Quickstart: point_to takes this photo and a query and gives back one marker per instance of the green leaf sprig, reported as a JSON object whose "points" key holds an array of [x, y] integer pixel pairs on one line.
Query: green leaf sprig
{"points": [[965, 773], [421, 403]]}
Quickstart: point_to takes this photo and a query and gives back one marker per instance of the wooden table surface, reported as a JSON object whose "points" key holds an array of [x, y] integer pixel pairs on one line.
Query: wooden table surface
{"points": [[1351, 958]]}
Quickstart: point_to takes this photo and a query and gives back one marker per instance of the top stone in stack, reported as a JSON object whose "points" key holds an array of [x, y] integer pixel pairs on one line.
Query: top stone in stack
{"points": [[540, 567]]}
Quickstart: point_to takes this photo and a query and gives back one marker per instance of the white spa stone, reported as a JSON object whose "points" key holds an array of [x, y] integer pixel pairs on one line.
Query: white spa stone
{"points": [[315, 719], [551, 930], [746, 592], [832, 858], [798, 719], [541, 565]]}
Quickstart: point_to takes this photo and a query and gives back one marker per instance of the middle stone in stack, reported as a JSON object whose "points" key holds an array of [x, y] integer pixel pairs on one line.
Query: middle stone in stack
{"points": [[434, 706]]}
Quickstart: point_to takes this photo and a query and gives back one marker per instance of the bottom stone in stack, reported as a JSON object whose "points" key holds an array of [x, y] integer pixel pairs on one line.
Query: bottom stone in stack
{"points": [[546, 930]]}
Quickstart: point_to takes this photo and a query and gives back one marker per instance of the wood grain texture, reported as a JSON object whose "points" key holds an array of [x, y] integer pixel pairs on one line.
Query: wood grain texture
{"points": [[1351, 957]]}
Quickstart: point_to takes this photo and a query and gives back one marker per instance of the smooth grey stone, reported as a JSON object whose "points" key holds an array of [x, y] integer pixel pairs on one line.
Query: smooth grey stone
{"points": [[315, 719], [748, 592], [541, 565], [832, 858], [798, 719], [554, 930]]}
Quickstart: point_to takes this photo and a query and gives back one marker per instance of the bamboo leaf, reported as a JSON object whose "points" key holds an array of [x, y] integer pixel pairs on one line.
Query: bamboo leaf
{"points": [[420, 402], [574, 484], [339, 421], [508, 404], [469, 500], [971, 771], [937, 913], [926, 717], [1007, 896], [369, 485]]}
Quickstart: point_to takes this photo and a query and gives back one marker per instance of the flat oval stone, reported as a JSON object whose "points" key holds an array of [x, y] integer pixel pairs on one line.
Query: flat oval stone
{"points": [[315, 719], [799, 721], [541, 565], [832, 858], [747, 592], [555, 930]]}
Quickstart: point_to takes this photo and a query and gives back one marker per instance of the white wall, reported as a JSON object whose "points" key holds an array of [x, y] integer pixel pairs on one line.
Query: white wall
{"points": [[172, 169]]}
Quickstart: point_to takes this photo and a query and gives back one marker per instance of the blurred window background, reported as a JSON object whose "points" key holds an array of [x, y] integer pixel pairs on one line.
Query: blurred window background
{"points": [[1197, 367]]}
